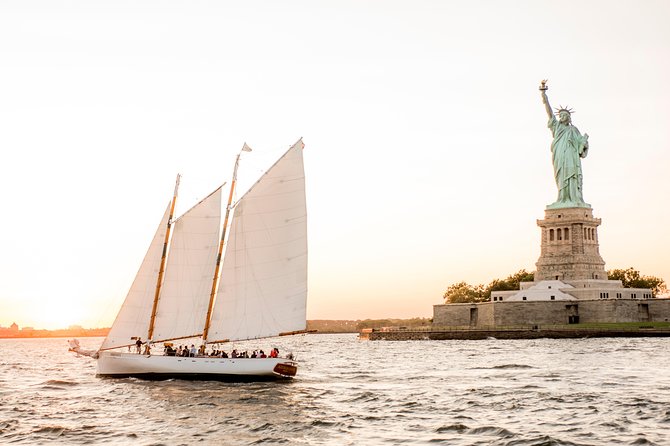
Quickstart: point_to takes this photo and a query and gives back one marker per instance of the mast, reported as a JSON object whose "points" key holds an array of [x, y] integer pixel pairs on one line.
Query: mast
{"points": [[205, 332], [159, 281]]}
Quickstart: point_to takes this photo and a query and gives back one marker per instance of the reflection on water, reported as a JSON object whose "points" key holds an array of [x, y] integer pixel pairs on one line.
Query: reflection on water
{"points": [[525, 392]]}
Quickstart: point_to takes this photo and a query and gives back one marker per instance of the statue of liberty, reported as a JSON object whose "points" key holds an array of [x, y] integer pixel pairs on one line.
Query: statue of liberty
{"points": [[567, 148]]}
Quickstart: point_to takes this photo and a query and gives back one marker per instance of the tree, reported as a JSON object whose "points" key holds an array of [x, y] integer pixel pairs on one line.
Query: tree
{"points": [[511, 283], [463, 292], [631, 278]]}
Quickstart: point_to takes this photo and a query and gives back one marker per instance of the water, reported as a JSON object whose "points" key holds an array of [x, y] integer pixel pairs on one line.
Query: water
{"points": [[351, 392]]}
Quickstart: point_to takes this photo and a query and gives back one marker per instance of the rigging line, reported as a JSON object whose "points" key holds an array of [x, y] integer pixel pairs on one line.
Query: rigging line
{"points": [[178, 338]]}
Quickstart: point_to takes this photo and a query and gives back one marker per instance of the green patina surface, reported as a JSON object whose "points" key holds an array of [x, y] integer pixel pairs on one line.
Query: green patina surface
{"points": [[567, 148]]}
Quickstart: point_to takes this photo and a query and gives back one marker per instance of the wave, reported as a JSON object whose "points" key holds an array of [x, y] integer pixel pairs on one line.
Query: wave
{"points": [[458, 427], [490, 430], [642, 441], [8, 425], [504, 366], [59, 382], [262, 427], [543, 441], [363, 397], [322, 423], [271, 440], [54, 431], [513, 366]]}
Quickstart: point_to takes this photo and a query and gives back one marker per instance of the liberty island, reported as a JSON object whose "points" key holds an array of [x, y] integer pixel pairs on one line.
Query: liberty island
{"points": [[570, 289]]}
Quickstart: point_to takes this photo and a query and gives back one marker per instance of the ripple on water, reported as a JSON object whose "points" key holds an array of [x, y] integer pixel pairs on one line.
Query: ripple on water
{"points": [[513, 366], [271, 440], [490, 430], [59, 382], [544, 440], [8, 425], [642, 441], [365, 397], [458, 427], [262, 427]]}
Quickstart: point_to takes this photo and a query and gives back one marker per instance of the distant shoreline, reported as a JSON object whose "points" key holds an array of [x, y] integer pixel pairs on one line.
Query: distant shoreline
{"points": [[66, 333], [322, 326]]}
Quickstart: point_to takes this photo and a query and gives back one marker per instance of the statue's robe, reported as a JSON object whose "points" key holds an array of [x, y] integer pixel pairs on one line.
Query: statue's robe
{"points": [[567, 148]]}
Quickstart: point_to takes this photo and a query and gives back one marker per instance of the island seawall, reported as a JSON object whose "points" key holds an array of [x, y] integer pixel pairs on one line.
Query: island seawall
{"points": [[530, 332]]}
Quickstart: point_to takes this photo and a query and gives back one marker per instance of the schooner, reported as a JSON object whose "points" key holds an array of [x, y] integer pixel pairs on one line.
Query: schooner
{"points": [[201, 279]]}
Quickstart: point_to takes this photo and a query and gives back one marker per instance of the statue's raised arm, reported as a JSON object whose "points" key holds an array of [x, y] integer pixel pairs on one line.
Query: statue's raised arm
{"points": [[545, 99]]}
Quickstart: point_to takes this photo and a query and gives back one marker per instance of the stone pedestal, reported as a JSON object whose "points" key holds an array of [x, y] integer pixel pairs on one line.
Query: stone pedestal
{"points": [[569, 246]]}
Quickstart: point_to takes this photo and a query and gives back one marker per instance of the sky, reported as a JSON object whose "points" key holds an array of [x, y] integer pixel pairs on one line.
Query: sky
{"points": [[427, 151]]}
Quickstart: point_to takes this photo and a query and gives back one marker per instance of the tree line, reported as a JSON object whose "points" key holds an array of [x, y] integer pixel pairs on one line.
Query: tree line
{"points": [[379, 323], [463, 292], [631, 278], [349, 326]]}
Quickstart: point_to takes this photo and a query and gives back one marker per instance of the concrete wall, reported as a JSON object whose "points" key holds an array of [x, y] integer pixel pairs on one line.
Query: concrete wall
{"points": [[487, 314], [531, 313], [455, 315], [569, 332], [501, 314], [496, 314], [659, 309]]}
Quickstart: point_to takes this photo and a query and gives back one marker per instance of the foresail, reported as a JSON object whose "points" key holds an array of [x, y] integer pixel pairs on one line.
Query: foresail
{"points": [[135, 313], [263, 286], [184, 298]]}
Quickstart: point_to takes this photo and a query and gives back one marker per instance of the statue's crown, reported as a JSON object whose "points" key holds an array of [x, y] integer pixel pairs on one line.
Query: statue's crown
{"points": [[565, 109]]}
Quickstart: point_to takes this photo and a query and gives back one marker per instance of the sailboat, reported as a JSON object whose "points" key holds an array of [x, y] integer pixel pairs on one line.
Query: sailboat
{"points": [[218, 284]]}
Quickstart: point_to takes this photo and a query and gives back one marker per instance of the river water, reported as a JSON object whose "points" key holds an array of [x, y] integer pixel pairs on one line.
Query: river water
{"points": [[351, 392]]}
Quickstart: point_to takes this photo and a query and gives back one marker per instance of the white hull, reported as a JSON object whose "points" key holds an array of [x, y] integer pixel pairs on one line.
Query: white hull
{"points": [[117, 364]]}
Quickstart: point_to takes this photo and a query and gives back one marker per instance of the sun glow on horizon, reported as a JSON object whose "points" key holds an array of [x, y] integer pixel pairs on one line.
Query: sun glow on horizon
{"points": [[52, 316]]}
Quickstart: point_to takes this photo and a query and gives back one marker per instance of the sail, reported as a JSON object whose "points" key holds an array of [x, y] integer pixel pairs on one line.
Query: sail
{"points": [[135, 313], [184, 298], [262, 290]]}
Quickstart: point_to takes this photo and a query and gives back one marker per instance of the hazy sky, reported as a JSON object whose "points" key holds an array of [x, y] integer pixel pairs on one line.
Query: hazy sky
{"points": [[427, 152]]}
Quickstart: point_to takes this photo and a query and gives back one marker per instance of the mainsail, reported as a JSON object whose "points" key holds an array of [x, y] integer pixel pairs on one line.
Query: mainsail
{"points": [[189, 272], [263, 286], [135, 313]]}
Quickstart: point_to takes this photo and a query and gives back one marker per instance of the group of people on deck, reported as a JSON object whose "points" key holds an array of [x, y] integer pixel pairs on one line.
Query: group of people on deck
{"points": [[192, 351]]}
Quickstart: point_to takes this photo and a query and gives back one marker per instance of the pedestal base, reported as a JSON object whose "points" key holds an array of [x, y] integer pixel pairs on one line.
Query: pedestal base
{"points": [[570, 246]]}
